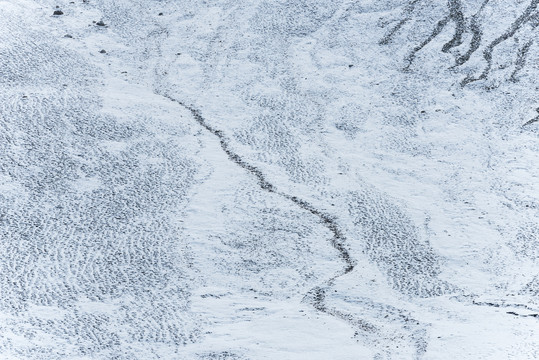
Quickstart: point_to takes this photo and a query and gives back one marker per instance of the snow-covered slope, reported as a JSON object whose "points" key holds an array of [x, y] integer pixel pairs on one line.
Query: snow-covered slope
{"points": [[269, 179]]}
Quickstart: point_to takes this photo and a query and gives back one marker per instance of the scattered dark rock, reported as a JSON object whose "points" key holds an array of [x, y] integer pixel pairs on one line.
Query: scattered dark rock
{"points": [[160, 14], [58, 12], [350, 66], [68, 36], [178, 53], [100, 23], [103, 51]]}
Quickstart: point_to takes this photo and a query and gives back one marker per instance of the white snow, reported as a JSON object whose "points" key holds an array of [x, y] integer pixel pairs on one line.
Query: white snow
{"points": [[203, 189]]}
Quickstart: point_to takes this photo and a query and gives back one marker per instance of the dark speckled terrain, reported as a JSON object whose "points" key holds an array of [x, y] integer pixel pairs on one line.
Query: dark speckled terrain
{"points": [[269, 180]]}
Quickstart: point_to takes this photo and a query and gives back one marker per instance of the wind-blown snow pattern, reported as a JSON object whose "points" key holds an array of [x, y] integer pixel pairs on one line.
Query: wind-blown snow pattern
{"points": [[269, 179]]}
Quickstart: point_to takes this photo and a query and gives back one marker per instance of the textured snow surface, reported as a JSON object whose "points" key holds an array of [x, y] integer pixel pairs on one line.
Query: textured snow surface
{"points": [[269, 179]]}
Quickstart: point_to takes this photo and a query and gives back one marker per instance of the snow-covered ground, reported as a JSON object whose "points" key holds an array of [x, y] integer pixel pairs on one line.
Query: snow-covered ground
{"points": [[186, 179]]}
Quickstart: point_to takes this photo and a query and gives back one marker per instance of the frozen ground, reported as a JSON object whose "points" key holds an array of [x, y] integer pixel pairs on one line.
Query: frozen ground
{"points": [[269, 179]]}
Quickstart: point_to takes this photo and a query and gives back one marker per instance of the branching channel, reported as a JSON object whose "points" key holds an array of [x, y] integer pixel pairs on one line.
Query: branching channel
{"points": [[473, 25]]}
